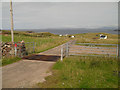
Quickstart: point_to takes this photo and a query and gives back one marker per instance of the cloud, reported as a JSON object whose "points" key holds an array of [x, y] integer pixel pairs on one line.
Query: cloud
{"points": [[59, 15], [0, 15], [61, 0]]}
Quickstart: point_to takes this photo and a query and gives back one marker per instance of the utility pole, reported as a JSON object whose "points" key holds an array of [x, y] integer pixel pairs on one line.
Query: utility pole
{"points": [[11, 15]]}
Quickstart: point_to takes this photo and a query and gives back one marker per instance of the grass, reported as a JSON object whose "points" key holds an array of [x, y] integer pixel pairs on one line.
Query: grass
{"points": [[6, 61], [42, 43], [46, 40], [94, 38], [83, 72], [74, 71]]}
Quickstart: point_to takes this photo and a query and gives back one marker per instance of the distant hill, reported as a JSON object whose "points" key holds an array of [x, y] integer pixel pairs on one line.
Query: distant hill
{"points": [[28, 33], [116, 30]]}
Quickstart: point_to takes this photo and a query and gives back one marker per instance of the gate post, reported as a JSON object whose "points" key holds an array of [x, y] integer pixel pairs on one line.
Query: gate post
{"points": [[33, 47], [15, 49], [67, 49], [62, 53], [117, 51]]}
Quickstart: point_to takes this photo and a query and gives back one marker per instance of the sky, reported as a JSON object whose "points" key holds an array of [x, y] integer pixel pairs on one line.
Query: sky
{"points": [[44, 15]]}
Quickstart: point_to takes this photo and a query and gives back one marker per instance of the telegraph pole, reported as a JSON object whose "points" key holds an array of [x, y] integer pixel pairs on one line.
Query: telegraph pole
{"points": [[11, 15]]}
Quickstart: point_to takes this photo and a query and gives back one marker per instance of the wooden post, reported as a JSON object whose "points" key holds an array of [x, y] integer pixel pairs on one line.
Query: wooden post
{"points": [[62, 53], [11, 14]]}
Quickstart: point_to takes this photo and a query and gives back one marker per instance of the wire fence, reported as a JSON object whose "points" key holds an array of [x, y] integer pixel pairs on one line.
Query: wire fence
{"points": [[30, 47], [26, 49], [70, 48]]}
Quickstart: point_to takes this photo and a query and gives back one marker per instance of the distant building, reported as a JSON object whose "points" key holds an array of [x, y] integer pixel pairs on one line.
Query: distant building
{"points": [[72, 36], [60, 35], [103, 36]]}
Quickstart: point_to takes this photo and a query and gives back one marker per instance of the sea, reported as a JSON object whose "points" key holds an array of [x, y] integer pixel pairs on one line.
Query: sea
{"points": [[73, 31], [63, 32]]}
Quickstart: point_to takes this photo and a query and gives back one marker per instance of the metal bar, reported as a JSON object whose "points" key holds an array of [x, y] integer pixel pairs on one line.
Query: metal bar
{"points": [[95, 47], [33, 47], [67, 50], [61, 53], [97, 44], [96, 50], [92, 52], [94, 55], [15, 51], [117, 51]]}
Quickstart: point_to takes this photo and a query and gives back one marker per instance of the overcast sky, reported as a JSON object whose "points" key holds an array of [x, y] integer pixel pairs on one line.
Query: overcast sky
{"points": [[43, 15]]}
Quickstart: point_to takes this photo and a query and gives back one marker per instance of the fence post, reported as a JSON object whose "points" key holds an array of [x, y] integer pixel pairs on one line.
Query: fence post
{"points": [[67, 49], [117, 50], [15, 49], [33, 47], [62, 53]]}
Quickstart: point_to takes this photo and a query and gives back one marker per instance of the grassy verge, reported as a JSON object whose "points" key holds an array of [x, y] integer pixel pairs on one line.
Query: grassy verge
{"points": [[83, 72], [6, 61]]}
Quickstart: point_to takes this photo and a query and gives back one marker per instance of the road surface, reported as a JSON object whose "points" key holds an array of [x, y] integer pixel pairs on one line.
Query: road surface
{"points": [[27, 72]]}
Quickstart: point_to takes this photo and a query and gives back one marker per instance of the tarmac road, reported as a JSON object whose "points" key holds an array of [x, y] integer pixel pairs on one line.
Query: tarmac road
{"points": [[25, 73]]}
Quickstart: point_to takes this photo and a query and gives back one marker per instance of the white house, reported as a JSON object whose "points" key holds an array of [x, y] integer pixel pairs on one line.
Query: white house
{"points": [[103, 36], [60, 35], [72, 36]]}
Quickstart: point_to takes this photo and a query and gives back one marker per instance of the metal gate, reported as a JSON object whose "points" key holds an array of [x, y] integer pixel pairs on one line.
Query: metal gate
{"points": [[91, 49]]}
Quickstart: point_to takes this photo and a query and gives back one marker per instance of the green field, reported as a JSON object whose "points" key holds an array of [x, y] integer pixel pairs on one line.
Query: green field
{"points": [[83, 72], [43, 41], [94, 38], [74, 71]]}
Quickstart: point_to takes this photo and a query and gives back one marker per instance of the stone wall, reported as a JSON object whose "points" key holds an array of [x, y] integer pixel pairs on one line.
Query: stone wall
{"points": [[8, 49]]}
